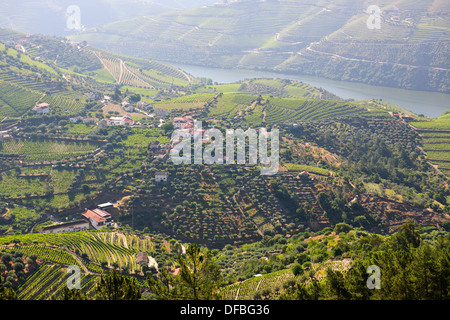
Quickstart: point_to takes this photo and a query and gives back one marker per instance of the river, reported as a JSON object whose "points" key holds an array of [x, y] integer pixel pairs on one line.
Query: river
{"points": [[430, 104]]}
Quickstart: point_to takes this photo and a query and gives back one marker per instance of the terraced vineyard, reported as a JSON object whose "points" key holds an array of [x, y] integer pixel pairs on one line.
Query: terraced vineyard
{"points": [[16, 100], [278, 110], [436, 141], [304, 110], [68, 104], [46, 150], [110, 247], [94, 252], [156, 74], [47, 283], [49, 254], [259, 283]]}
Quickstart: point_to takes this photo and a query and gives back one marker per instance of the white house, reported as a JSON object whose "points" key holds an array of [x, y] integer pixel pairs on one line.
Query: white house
{"points": [[121, 121], [77, 119], [183, 122], [161, 176], [4, 135], [98, 218]]}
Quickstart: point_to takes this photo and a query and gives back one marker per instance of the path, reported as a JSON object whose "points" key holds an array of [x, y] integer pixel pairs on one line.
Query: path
{"points": [[121, 71], [370, 61]]}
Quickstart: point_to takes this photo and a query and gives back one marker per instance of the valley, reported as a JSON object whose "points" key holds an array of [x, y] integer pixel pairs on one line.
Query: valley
{"points": [[88, 180]]}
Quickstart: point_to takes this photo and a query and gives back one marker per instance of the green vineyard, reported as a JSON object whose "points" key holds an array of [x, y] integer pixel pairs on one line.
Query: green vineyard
{"points": [[100, 248], [46, 150], [251, 288], [48, 281], [16, 99]]}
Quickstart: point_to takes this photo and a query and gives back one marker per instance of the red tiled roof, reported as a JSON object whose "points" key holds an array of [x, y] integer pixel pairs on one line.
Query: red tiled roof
{"points": [[92, 215]]}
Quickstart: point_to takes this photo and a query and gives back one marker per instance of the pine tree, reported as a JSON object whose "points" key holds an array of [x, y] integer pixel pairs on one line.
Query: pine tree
{"points": [[199, 278], [114, 286]]}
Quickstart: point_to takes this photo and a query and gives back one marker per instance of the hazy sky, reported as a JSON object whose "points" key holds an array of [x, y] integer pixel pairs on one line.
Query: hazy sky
{"points": [[51, 16]]}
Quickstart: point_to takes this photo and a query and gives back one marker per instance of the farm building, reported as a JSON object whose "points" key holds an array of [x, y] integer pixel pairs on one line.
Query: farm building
{"points": [[98, 218], [73, 226], [142, 257], [42, 108], [4, 135]]}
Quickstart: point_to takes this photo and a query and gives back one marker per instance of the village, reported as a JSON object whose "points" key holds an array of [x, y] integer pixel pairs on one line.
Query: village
{"points": [[101, 216]]}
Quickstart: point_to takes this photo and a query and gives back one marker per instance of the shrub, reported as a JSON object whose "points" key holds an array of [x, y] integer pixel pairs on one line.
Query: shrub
{"points": [[297, 269], [317, 258], [342, 227]]}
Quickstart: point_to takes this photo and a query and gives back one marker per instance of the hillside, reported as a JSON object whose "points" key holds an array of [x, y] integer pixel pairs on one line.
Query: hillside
{"points": [[358, 182], [41, 69], [271, 269], [51, 17], [328, 39]]}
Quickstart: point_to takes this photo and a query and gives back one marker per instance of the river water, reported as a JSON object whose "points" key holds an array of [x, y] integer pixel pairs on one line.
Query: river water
{"points": [[430, 104]]}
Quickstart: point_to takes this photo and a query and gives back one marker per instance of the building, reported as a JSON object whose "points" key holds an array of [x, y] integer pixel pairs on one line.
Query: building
{"points": [[118, 121], [141, 257], [92, 96], [73, 226], [161, 176], [4, 135], [126, 121], [183, 122], [144, 106], [127, 107], [89, 120], [76, 119], [104, 206], [98, 218], [42, 108]]}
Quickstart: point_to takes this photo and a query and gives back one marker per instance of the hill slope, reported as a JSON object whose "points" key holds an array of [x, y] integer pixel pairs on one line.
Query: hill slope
{"points": [[328, 38]]}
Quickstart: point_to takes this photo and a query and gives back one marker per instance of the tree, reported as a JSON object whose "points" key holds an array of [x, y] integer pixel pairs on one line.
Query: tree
{"points": [[114, 286], [7, 293], [297, 269], [335, 283], [199, 278], [134, 98], [168, 127], [72, 294], [342, 227], [407, 236]]}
